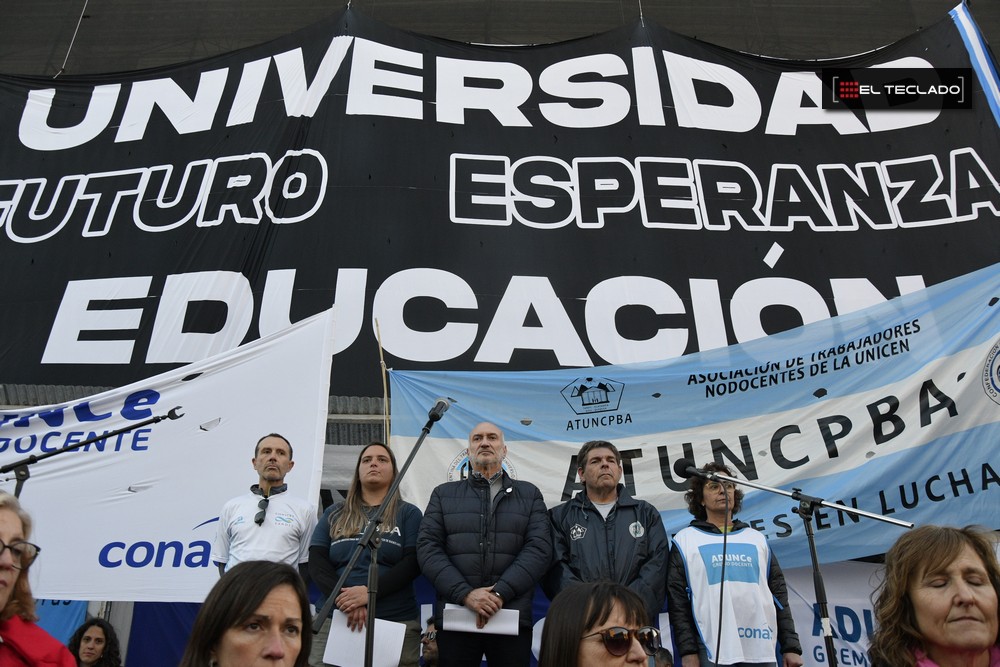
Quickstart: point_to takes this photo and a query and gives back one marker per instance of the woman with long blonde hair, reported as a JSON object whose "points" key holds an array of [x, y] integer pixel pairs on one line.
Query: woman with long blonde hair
{"points": [[22, 642], [337, 536]]}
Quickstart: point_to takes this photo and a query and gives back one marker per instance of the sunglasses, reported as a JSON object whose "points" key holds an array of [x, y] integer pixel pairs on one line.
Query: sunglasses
{"points": [[618, 641], [262, 506]]}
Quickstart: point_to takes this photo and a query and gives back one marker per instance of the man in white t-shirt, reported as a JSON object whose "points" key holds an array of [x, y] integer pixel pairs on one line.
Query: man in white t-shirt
{"points": [[266, 523]]}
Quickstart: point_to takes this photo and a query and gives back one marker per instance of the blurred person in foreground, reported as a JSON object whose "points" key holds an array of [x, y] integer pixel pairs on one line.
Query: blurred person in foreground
{"points": [[598, 623], [756, 595], [22, 642], [95, 644], [336, 537], [256, 614], [936, 606], [429, 645]]}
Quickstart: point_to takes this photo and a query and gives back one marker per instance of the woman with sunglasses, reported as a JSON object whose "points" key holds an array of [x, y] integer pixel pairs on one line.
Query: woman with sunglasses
{"points": [[600, 623], [21, 641], [336, 538], [717, 557]]}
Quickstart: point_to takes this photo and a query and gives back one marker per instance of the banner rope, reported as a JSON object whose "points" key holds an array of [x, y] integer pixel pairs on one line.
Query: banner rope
{"points": [[385, 385], [72, 41]]}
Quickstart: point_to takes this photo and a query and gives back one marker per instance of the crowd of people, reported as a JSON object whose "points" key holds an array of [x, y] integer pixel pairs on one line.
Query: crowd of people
{"points": [[486, 542]]}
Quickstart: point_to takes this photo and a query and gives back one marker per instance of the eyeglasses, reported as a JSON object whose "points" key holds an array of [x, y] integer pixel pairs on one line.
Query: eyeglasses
{"points": [[619, 640], [428, 636], [262, 506], [715, 486], [22, 553]]}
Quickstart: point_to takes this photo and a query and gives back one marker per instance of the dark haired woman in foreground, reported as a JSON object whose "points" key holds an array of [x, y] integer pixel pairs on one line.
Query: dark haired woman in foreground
{"points": [[937, 604], [600, 623], [256, 614]]}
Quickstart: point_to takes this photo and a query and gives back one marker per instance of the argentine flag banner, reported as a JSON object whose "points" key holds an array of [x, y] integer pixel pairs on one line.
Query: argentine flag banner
{"points": [[893, 409]]}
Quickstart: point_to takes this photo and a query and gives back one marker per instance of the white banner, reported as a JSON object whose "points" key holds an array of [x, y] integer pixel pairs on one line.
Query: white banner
{"points": [[133, 517], [894, 409], [849, 587]]}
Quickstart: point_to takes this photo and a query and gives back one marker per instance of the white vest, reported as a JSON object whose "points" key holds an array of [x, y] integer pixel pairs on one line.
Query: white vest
{"points": [[748, 617]]}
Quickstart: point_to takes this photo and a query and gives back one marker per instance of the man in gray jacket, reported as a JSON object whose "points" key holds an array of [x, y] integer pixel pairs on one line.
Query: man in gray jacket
{"points": [[484, 543], [603, 533]]}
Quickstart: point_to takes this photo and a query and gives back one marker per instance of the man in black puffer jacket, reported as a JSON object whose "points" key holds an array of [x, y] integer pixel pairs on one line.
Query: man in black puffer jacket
{"points": [[484, 543]]}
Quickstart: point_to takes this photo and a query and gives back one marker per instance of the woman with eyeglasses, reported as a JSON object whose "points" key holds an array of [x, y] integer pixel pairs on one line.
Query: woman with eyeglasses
{"points": [[717, 557], [600, 623], [336, 538], [22, 643]]}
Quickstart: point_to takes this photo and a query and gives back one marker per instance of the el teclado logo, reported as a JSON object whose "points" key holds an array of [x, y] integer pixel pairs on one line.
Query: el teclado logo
{"points": [[897, 88]]}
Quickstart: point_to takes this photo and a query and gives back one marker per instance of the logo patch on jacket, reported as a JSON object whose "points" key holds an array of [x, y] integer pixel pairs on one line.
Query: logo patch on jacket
{"points": [[636, 530], [577, 532]]}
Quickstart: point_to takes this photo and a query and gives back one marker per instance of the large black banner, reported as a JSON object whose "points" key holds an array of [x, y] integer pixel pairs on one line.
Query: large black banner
{"points": [[631, 196]]}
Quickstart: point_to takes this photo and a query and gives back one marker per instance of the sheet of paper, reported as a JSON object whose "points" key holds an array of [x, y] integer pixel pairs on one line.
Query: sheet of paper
{"points": [[347, 648], [457, 617]]}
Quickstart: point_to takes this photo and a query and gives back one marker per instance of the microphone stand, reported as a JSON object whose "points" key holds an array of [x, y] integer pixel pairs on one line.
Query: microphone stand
{"points": [[370, 540], [722, 577], [20, 468], [807, 506]]}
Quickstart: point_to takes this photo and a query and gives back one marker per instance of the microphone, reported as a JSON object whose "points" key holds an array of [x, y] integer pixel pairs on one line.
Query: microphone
{"points": [[685, 468], [439, 409]]}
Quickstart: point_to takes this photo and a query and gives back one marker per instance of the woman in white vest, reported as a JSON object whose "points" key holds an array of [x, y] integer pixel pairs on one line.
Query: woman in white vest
{"points": [[753, 624]]}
